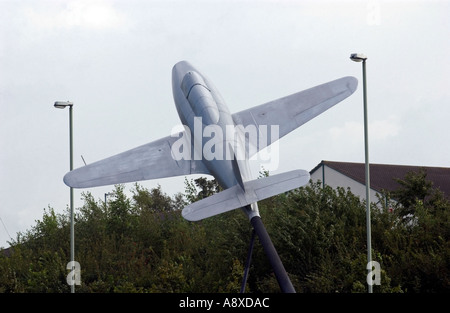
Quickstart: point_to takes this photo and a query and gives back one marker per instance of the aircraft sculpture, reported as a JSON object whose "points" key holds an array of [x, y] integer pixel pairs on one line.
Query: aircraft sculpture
{"points": [[237, 138]]}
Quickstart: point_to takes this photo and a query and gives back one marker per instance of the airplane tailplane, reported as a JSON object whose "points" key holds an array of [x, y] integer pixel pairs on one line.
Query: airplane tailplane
{"points": [[235, 197]]}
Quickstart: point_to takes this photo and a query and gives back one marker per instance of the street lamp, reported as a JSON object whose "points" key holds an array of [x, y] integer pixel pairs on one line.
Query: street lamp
{"points": [[63, 105], [107, 194], [359, 57]]}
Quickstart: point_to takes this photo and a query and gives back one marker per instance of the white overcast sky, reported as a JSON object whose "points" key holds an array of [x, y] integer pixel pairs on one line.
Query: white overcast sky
{"points": [[113, 59]]}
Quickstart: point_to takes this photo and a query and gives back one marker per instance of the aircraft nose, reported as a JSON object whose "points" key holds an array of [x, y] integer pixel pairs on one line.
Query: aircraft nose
{"points": [[181, 68]]}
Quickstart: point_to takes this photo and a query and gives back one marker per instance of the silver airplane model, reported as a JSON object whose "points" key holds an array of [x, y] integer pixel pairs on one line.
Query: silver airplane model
{"points": [[237, 138]]}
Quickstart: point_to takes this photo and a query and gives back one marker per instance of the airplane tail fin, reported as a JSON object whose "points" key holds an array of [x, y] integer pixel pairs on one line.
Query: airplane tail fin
{"points": [[235, 197]]}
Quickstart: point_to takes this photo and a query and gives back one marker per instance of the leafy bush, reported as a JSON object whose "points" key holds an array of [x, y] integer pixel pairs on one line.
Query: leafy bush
{"points": [[142, 244]]}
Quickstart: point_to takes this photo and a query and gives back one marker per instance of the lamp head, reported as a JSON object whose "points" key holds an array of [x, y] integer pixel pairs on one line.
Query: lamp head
{"points": [[63, 104], [358, 57]]}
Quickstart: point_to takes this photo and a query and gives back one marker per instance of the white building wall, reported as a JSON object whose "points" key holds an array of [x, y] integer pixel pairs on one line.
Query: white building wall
{"points": [[335, 179]]}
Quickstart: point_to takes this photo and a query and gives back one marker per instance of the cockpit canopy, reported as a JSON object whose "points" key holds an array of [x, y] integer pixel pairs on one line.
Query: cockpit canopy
{"points": [[200, 98]]}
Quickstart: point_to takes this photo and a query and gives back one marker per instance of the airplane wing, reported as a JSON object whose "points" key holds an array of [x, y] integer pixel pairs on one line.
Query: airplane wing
{"points": [[293, 111], [149, 161]]}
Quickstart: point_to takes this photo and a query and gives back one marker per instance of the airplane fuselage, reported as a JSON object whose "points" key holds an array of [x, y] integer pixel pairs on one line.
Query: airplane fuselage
{"points": [[200, 106]]}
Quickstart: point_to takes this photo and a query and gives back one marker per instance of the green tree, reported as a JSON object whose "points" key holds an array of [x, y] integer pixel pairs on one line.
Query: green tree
{"points": [[154, 200], [418, 247], [200, 188], [141, 243], [414, 187]]}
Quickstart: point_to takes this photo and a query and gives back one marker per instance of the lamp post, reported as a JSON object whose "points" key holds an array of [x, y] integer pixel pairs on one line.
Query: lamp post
{"points": [[107, 194], [359, 57], [63, 105]]}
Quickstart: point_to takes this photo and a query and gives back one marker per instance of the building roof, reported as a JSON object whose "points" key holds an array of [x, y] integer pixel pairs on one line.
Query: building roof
{"points": [[382, 176]]}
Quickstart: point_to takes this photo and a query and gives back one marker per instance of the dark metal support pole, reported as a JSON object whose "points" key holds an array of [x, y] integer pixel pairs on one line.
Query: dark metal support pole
{"points": [[247, 263], [271, 253]]}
